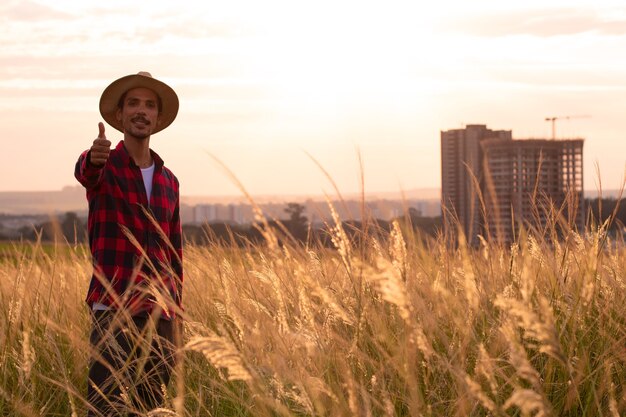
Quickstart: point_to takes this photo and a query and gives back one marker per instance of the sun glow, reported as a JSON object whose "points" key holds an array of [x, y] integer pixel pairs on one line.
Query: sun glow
{"points": [[278, 76], [344, 56]]}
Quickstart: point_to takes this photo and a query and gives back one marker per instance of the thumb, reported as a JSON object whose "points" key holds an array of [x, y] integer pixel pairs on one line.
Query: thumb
{"points": [[101, 131]]}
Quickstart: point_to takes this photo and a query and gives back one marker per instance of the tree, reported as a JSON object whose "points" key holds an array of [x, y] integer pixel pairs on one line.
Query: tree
{"points": [[73, 228], [298, 223]]}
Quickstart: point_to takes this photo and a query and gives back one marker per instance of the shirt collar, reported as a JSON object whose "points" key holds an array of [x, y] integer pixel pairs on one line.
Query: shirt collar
{"points": [[127, 160]]}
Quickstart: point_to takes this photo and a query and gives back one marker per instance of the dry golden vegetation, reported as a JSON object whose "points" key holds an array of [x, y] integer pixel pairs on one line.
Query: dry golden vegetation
{"points": [[391, 325]]}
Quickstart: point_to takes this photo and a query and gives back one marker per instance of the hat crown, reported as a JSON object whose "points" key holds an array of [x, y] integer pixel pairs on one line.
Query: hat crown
{"points": [[145, 74]]}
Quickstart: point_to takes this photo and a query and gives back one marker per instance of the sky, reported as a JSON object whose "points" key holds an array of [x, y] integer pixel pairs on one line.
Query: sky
{"points": [[274, 88]]}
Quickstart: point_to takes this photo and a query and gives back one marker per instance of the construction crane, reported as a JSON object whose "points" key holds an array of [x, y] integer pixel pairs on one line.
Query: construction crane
{"points": [[553, 119]]}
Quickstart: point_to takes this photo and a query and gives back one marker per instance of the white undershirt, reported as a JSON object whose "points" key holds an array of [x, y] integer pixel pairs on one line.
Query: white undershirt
{"points": [[147, 174]]}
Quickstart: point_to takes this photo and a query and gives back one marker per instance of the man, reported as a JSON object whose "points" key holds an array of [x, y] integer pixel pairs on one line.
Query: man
{"points": [[135, 239]]}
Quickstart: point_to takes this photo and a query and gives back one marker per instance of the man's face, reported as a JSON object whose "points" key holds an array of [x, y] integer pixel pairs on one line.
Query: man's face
{"points": [[139, 113]]}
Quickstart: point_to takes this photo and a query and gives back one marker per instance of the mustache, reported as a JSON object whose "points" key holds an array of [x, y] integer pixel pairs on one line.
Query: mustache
{"points": [[140, 119]]}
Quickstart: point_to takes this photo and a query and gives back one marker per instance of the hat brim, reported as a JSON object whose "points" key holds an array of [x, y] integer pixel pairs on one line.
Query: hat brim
{"points": [[112, 94]]}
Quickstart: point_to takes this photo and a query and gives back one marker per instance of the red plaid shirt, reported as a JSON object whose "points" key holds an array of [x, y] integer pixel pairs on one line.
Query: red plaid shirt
{"points": [[136, 245]]}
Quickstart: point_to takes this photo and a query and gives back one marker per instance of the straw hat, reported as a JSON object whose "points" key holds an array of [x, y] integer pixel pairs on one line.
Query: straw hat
{"points": [[112, 94]]}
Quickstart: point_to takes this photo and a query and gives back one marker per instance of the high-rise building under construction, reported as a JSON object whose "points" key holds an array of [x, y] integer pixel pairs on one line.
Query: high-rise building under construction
{"points": [[492, 184]]}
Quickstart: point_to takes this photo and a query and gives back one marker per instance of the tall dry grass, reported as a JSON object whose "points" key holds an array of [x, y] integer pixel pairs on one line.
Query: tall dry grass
{"points": [[393, 325]]}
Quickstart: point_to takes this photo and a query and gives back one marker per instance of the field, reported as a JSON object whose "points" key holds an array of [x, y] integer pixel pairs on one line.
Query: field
{"points": [[391, 325]]}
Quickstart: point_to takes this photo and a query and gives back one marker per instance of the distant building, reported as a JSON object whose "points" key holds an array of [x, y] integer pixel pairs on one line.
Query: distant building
{"points": [[525, 177], [461, 174], [205, 213], [318, 212], [218, 213], [187, 213], [520, 181]]}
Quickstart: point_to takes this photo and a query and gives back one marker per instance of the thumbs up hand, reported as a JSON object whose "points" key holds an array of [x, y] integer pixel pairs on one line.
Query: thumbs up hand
{"points": [[99, 151]]}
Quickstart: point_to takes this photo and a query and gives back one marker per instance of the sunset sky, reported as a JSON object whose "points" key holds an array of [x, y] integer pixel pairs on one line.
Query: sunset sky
{"points": [[263, 83]]}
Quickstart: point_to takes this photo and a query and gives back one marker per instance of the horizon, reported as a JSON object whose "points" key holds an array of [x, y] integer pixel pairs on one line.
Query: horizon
{"points": [[274, 89], [333, 196]]}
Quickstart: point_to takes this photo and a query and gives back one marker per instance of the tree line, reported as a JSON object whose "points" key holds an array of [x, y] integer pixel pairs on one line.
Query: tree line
{"points": [[295, 227], [72, 228]]}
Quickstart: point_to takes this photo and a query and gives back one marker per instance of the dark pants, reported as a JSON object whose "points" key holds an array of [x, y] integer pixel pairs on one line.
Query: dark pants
{"points": [[132, 360]]}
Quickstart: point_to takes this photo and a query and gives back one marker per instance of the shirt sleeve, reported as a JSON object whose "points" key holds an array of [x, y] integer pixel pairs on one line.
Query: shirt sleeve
{"points": [[176, 239], [86, 173]]}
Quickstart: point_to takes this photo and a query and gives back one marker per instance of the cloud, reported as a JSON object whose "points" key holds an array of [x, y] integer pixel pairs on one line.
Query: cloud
{"points": [[540, 23], [558, 78], [185, 29], [169, 21], [29, 11], [103, 67]]}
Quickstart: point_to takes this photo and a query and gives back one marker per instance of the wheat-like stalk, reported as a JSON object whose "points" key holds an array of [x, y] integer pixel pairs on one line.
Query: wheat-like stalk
{"points": [[382, 323]]}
